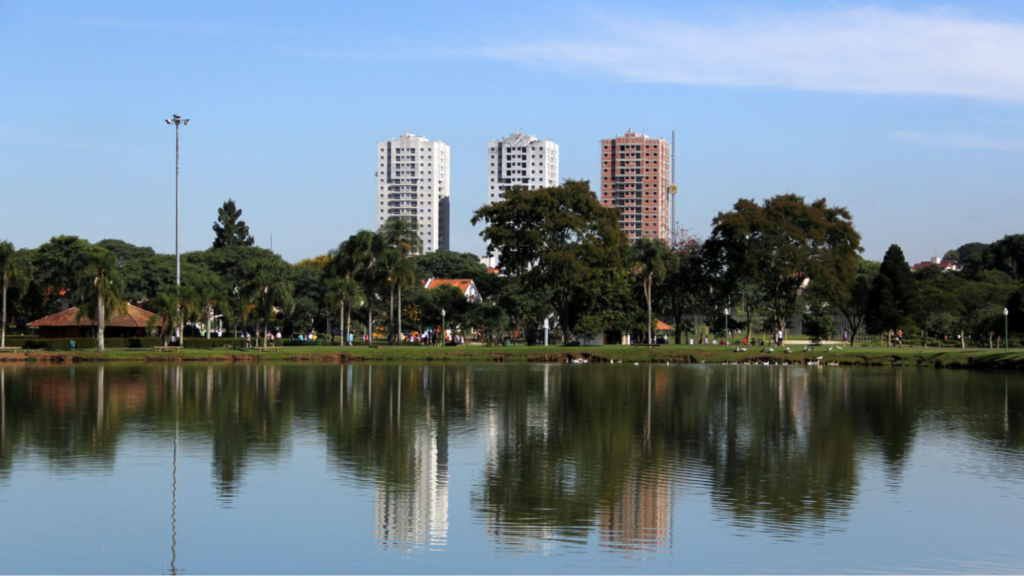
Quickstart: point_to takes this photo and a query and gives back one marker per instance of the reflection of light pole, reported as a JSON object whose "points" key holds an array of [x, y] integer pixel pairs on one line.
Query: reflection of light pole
{"points": [[1006, 321], [174, 477], [177, 120], [444, 333]]}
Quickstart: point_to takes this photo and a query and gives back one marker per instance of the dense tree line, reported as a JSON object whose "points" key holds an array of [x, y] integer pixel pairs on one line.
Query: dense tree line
{"points": [[561, 258]]}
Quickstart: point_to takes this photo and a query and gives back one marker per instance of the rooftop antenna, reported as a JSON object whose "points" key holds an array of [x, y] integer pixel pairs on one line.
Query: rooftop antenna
{"points": [[674, 190]]}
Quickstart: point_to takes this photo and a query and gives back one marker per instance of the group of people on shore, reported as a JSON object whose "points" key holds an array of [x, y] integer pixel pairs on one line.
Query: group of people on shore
{"points": [[268, 339]]}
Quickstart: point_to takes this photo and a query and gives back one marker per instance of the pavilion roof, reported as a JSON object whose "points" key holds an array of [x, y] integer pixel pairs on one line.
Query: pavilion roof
{"points": [[134, 318]]}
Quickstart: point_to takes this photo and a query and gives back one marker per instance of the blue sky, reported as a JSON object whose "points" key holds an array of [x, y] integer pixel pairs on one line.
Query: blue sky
{"points": [[908, 113]]}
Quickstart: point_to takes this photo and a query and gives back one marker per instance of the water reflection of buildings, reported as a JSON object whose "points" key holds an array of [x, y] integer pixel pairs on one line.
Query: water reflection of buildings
{"points": [[409, 516], [411, 500], [642, 517]]}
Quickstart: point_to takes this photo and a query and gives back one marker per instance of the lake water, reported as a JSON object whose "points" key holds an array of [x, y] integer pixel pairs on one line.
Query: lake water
{"points": [[523, 468]]}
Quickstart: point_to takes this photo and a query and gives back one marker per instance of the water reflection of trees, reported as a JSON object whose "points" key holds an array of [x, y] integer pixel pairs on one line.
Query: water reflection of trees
{"points": [[77, 417], [571, 451]]}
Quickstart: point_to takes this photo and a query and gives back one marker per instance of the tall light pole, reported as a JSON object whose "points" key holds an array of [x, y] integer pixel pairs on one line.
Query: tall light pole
{"points": [[444, 332], [177, 120], [727, 326], [1006, 321]]}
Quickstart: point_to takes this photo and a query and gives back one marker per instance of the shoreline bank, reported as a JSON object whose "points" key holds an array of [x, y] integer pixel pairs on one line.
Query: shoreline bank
{"points": [[1012, 360]]}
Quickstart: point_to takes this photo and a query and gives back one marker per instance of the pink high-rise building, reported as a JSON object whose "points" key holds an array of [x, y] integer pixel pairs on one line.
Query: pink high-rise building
{"points": [[635, 176]]}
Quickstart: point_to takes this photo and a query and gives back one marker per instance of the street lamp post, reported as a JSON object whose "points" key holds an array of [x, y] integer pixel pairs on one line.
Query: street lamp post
{"points": [[1006, 322], [177, 120], [444, 332], [727, 326]]}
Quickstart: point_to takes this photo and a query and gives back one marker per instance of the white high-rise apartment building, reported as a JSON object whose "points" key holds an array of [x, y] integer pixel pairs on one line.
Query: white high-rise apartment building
{"points": [[520, 160], [413, 182]]}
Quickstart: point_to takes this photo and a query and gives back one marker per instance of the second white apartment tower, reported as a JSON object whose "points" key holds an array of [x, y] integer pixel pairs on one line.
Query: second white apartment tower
{"points": [[520, 160], [413, 182]]}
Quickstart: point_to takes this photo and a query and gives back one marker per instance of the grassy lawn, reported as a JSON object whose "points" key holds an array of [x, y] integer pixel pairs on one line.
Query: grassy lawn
{"points": [[860, 356]]}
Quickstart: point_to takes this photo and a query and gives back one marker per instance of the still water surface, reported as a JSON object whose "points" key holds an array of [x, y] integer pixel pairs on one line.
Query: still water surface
{"points": [[509, 468]]}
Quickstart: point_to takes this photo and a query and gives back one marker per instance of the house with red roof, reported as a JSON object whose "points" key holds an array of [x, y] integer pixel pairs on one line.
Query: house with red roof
{"points": [[466, 285], [945, 265]]}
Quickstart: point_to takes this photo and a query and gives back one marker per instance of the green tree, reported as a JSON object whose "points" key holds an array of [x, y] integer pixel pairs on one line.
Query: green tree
{"points": [[357, 258], [971, 248], [208, 292], [57, 264], [649, 259], [401, 235], [170, 307], [852, 299], [343, 293], [893, 298], [489, 319], [308, 282], [558, 242], [1007, 255], [267, 287], [124, 251], [781, 245], [101, 286], [937, 308], [687, 287], [229, 230], [526, 309], [12, 268], [445, 264], [818, 322], [304, 313]]}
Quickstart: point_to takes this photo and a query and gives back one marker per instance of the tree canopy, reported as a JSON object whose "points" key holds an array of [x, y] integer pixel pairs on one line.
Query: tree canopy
{"points": [[893, 296], [560, 243], [781, 246], [230, 230]]}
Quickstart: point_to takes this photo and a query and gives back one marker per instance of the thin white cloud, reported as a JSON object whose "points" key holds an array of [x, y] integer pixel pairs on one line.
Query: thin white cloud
{"points": [[865, 50], [958, 141]]}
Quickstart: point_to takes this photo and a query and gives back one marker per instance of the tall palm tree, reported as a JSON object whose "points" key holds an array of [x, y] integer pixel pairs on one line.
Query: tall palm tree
{"points": [[12, 268], [102, 285], [402, 235], [343, 293], [388, 264], [266, 287], [648, 258], [170, 307], [357, 258], [406, 276], [208, 292]]}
